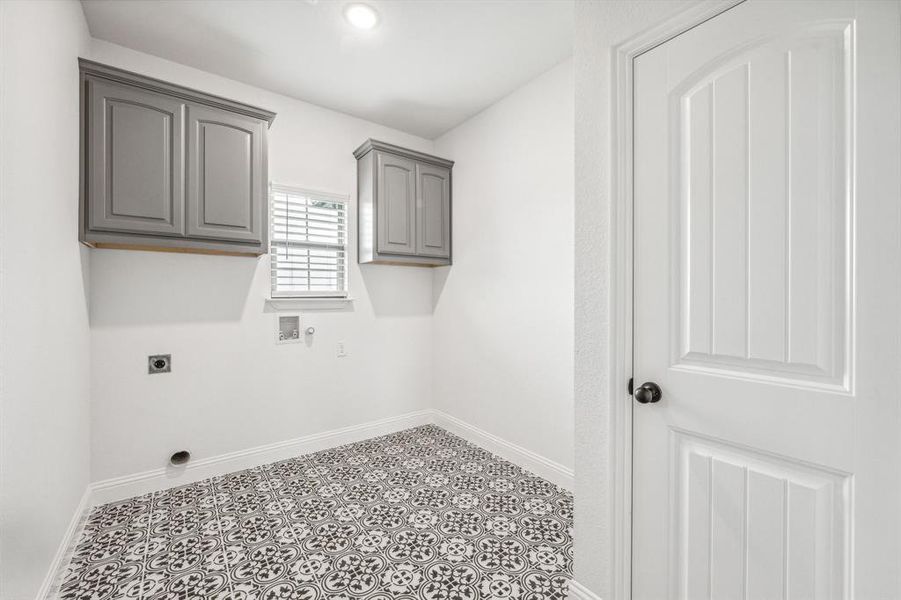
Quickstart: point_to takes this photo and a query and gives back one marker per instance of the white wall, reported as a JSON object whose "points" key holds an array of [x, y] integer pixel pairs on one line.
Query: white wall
{"points": [[600, 26], [503, 323], [44, 340], [498, 344], [232, 387]]}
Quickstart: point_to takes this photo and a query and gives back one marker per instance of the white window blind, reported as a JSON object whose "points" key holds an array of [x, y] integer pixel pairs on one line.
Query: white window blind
{"points": [[308, 243]]}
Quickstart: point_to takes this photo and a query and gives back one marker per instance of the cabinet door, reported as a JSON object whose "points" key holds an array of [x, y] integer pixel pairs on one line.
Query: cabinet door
{"points": [[135, 160], [226, 181], [396, 205], [433, 211]]}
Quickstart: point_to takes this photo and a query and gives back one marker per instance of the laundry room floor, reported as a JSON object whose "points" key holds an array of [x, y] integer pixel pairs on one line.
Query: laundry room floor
{"points": [[420, 514]]}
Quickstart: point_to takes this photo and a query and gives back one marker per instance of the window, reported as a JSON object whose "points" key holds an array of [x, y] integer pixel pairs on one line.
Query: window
{"points": [[308, 243]]}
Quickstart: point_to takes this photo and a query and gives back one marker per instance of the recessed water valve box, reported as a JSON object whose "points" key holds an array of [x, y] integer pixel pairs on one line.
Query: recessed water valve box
{"points": [[288, 329]]}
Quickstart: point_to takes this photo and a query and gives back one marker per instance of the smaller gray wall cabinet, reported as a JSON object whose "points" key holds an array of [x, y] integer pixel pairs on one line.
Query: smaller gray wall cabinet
{"points": [[404, 203], [169, 168]]}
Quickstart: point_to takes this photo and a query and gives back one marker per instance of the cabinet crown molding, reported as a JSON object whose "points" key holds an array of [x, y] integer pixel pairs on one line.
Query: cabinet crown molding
{"points": [[372, 144], [99, 70]]}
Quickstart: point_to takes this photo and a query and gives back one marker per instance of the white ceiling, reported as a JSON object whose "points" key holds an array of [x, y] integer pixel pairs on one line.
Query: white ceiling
{"points": [[427, 67]]}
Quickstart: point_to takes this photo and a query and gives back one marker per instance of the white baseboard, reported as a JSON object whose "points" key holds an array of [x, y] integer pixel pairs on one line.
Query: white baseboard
{"points": [[577, 591], [541, 466], [50, 585], [120, 488]]}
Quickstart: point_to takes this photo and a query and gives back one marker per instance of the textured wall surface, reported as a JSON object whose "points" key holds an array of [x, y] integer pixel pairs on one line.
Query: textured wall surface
{"points": [[232, 387], [600, 26], [503, 322], [44, 338]]}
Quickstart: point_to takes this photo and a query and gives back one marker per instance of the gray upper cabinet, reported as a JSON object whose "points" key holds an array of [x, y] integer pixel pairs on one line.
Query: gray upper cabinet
{"points": [[404, 205], [226, 191], [137, 161], [433, 209], [169, 168], [397, 215]]}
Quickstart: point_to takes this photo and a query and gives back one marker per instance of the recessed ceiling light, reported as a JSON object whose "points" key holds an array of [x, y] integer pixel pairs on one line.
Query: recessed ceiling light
{"points": [[361, 16]]}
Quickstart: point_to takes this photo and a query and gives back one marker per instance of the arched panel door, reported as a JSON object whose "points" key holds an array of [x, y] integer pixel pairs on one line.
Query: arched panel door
{"points": [[433, 211], [396, 204], [767, 285], [136, 177], [227, 187]]}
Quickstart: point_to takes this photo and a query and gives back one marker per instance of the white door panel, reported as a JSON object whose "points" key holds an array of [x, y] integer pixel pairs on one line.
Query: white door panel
{"points": [[767, 293]]}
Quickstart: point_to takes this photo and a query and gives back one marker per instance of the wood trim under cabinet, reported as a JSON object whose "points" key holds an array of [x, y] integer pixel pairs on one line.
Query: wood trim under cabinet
{"points": [[181, 250]]}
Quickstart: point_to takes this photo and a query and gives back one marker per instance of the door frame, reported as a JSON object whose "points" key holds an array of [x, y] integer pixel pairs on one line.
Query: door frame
{"points": [[621, 263]]}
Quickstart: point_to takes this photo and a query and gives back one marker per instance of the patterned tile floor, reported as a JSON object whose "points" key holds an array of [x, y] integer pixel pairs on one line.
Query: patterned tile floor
{"points": [[416, 515]]}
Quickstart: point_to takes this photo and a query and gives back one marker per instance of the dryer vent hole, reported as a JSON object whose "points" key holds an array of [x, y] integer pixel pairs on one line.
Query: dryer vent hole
{"points": [[180, 458]]}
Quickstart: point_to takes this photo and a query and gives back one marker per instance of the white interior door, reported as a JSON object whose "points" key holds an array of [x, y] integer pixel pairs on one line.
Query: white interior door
{"points": [[767, 300]]}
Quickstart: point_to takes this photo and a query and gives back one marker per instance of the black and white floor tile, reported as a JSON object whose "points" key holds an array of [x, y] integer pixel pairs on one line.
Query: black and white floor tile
{"points": [[416, 515]]}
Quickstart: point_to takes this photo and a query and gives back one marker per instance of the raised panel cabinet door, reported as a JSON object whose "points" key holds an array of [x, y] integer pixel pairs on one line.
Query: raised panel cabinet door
{"points": [[135, 160], [433, 211], [226, 181], [396, 205]]}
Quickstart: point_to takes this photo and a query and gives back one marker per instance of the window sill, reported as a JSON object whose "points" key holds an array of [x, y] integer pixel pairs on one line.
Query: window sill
{"points": [[311, 303]]}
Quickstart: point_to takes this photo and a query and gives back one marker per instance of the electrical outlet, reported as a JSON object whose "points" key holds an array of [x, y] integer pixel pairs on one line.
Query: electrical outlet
{"points": [[159, 363], [342, 350]]}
